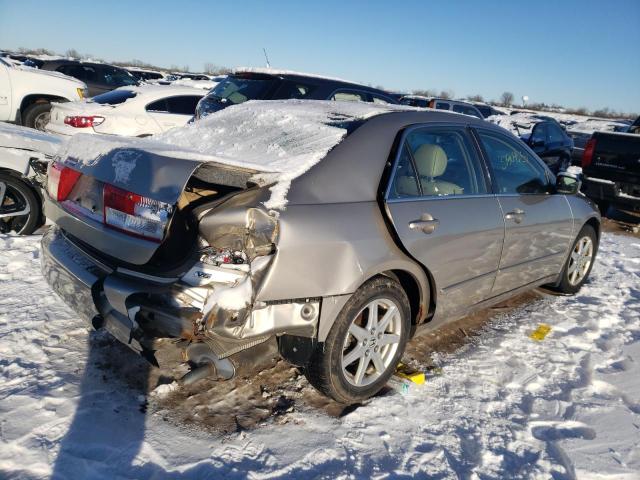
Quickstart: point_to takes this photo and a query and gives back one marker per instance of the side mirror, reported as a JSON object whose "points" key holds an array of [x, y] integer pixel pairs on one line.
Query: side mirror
{"points": [[568, 183], [537, 143]]}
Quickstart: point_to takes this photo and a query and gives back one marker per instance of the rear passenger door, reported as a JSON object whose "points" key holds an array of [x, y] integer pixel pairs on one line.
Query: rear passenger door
{"points": [[444, 214], [538, 223]]}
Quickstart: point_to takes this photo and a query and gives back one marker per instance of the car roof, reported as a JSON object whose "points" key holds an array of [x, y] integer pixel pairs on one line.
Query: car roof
{"points": [[290, 74], [78, 62], [351, 172]]}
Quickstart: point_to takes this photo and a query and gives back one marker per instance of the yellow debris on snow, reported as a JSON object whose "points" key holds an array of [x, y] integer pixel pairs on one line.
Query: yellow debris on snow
{"points": [[541, 332], [408, 373]]}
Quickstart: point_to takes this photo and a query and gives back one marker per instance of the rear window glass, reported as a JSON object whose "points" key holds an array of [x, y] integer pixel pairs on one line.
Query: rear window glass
{"points": [[114, 97], [240, 89]]}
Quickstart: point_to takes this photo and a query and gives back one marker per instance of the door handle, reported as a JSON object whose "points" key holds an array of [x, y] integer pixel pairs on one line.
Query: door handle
{"points": [[515, 215], [426, 223]]}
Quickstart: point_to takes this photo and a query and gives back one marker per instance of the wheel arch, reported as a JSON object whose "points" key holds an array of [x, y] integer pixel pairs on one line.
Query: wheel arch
{"points": [[34, 98]]}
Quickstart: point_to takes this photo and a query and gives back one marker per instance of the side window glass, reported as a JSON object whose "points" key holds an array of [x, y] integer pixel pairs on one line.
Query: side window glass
{"points": [[158, 106], [185, 105], [555, 133], [443, 163], [90, 74], [379, 100], [349, 97], [442, 106], [513, 168], [539, 134], [289, 89], [466, 110]]}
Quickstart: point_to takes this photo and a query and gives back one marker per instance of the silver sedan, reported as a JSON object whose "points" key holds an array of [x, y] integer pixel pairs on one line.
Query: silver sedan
{"points": [[407, 221]]}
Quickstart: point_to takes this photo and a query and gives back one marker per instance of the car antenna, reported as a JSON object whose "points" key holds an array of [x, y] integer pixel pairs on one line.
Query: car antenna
{"points": [[266, 57]]}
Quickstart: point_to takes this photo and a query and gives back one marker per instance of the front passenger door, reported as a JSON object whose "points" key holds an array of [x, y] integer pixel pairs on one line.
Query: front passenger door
{"points": [[443, 213], [538, 223]]}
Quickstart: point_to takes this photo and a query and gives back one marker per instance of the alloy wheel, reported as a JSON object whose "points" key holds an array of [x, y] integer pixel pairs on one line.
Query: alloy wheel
{"points": [[372, 341], [41, 120], [14, 209], [580, 261]]}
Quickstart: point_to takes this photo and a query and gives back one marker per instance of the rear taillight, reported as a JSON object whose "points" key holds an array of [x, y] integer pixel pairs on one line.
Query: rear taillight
{"points": [[134, 214], [60, 181], [83, 121], [587, 155]]}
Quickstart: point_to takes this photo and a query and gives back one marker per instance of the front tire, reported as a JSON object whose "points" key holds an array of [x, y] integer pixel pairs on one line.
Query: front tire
{"points": [[20, 207], [365, 343], [37, 116], [580, 262]]}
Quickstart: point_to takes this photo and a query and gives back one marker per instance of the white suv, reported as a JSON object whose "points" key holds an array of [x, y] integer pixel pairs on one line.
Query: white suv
{"points": [[26, 93]]}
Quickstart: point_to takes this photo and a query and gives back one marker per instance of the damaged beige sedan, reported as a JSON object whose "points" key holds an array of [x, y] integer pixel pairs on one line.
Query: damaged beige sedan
{"points": [[327, 232]]}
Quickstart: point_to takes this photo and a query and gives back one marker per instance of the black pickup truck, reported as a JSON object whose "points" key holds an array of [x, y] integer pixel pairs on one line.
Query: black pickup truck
{"points": [[611, 170]]}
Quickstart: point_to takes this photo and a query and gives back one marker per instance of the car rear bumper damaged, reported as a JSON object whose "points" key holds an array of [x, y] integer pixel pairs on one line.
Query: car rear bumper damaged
{"points": [[210, 304]]}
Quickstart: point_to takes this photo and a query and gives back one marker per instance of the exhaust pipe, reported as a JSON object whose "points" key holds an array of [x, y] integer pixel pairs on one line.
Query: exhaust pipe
{"points": [[208, 365], [199, 373]]}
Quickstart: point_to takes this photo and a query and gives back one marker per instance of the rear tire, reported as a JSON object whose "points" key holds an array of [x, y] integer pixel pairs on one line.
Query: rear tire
{"points": [[580, 262], [365, 343], [15, 197], [37, 115]]}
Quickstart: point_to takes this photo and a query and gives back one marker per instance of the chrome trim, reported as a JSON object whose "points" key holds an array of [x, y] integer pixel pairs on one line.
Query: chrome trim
{"points": [[145, 276]]}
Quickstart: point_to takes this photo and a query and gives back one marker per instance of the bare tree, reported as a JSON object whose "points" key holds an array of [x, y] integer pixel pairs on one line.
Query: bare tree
{"points": [[506, 99], [73, 53], [476, 98], [446, 94], [425, 93]]}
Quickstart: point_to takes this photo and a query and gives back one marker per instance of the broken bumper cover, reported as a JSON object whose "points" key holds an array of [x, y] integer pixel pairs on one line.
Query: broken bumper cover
{"points": [[136, 310], [76, 278]]}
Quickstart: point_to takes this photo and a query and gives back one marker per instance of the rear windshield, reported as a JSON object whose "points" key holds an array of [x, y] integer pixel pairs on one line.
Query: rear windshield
{"points": [[114, 97], [240, 89]]}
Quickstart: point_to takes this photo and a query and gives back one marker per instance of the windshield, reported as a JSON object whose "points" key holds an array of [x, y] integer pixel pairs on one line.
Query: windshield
{"points": [[117, 77], [114, 97], [239, 89]]}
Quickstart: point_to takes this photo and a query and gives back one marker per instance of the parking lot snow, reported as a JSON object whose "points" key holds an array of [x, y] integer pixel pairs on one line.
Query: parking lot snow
{"points": [[505, 405]]}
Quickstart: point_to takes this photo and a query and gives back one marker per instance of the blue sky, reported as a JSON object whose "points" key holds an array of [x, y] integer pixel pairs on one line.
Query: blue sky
{"points": [[571, 52]]}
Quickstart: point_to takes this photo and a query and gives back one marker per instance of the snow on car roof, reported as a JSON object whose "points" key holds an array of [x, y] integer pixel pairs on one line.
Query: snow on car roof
{"points": [[279, 139], [14, 136]]}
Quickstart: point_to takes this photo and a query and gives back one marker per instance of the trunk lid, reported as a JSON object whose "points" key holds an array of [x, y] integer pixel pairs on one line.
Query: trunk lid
{"points": [[143, 167], [616, 157]]}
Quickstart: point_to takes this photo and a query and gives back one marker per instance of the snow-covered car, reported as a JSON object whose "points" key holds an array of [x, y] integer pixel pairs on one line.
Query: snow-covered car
{"points": [[327, 231], [26, 93], [128, 111], [24, 155]]}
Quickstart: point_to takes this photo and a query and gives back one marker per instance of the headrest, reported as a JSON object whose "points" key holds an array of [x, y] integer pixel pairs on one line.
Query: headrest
{"points": [[431, 160]]}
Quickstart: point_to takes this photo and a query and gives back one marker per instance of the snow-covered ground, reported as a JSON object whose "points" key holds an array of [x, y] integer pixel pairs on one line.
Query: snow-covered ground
{"points": [[505, 406]]}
